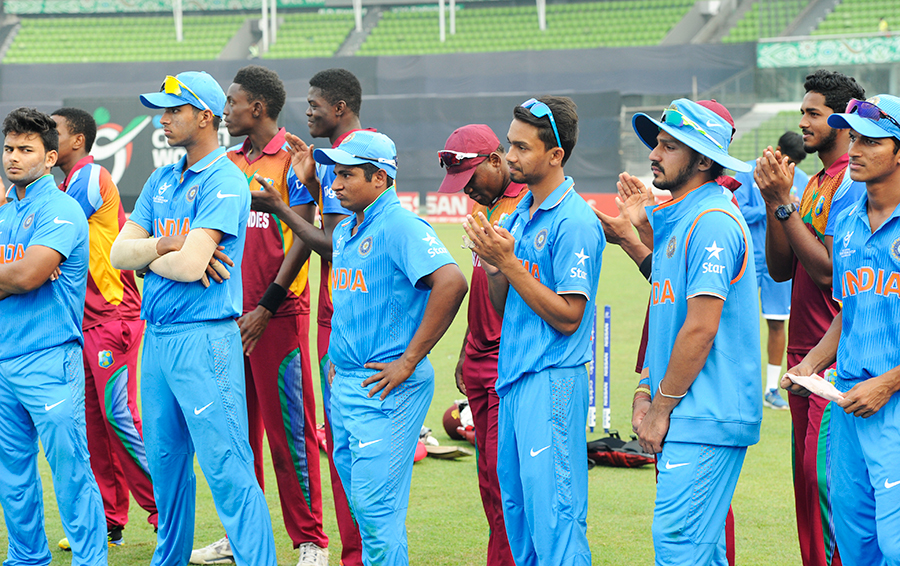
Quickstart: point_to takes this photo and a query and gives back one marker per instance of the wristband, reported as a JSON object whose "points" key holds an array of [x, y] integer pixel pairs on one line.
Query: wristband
{"points": [[660, 391], [273, 297], [645, 390], [646, 266]]}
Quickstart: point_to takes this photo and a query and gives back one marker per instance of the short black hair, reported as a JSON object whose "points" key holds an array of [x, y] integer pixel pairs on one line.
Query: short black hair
{"points": [[369, 169], [216, 121], [264, 85], [337, 85], [837, 88], [564, 114], [31, 121], [79, 122], [715, 171], [791, 144]]}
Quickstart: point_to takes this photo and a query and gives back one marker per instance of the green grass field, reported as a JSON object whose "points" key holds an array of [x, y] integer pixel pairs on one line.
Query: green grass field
{"points": [[446, 524]]}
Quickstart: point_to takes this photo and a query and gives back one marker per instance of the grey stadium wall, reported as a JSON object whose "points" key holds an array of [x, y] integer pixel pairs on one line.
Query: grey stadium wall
{"points": [[416, 100]]}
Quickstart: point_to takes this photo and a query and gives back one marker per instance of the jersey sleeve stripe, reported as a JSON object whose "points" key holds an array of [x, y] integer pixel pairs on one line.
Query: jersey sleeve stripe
{"points": [[743, 234]]}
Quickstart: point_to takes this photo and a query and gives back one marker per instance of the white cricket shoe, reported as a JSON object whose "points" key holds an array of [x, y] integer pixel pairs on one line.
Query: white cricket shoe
{"points": [[218, 552], [312, 555]]}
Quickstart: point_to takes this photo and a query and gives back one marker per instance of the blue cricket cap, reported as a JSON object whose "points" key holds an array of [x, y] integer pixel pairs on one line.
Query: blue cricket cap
{"points": [[362, 147], [196, 88], [868, 121], [695, 125]]}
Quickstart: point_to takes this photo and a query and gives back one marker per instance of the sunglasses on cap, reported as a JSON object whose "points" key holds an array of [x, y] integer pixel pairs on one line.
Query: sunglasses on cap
{"points": [[539, 110], [450, 158], [673, 117], [384, 160], [173, 86], [868, 110]]}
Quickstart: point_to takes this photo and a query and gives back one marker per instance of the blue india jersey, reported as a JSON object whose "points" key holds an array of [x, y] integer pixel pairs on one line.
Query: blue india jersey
{"points": [[866, 279], [379, 299], [212, 194], [701, 246], [50, 315], [561, 246]]}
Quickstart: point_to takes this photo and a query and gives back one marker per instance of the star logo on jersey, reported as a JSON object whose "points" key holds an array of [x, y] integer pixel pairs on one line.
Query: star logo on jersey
{"points": [[540, 240], [895, 249], [28, 221], [714, 251], [365, 247], [670, 247], [582, 257], [105, 359], [431, 239], [192, 193]]}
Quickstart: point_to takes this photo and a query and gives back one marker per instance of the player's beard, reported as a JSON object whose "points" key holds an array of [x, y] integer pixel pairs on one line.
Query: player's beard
{"points": [[680, 179], [826, 144]]}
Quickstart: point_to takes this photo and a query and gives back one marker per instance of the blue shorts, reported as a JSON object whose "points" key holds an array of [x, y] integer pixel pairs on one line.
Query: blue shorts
{"points": [[694, 489], [542, 467], [774, 297], [866, 473], [374, 445]]}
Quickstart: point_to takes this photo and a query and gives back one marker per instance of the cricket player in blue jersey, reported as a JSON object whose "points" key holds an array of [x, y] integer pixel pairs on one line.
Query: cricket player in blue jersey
{"points": [[543, 266], [396, 290], [703, 356], [192, 370], [865, 436], [43, 277]]}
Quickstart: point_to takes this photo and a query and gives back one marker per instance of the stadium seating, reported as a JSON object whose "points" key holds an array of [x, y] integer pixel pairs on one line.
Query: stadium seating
{"points": [[765, 18], [860, 16], [112, 39], [311, 34], [573, 25], [753, 143]]}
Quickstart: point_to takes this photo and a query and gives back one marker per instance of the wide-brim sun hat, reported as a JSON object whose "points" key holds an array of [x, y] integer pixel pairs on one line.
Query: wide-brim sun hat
{"points": [[701, 129]]}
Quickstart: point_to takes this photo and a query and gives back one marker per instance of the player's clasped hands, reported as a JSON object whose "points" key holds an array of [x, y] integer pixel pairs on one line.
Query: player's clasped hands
{"points": [[774, 176], [493, 244]]}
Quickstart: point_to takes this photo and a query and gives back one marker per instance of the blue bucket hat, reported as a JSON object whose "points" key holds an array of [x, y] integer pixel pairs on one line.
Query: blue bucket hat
{"points": [[196, 88], [361, 147], [697, 126], [877, 117]]}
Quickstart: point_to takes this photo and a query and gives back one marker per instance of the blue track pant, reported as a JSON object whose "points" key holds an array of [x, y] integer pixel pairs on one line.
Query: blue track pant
{"points": [[42, 396], [542, 467], [374, 445], [193, 396]]}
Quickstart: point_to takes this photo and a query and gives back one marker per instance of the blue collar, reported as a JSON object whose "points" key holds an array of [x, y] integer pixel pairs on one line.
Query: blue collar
{"points": [[861, 212], [377, 206], [553, 199], [673, 210], [201, 165], [37, 187]]}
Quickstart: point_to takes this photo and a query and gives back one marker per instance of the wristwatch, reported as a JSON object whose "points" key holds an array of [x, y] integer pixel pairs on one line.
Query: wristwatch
{"points": [[784, 211]]}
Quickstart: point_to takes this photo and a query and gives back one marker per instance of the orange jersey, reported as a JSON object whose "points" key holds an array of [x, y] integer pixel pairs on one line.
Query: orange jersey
{"points": [[268, 238], [111, 294]]}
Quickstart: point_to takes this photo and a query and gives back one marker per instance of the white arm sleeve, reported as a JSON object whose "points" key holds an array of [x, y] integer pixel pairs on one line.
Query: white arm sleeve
{"points": [[189, 263], [133, 248]]}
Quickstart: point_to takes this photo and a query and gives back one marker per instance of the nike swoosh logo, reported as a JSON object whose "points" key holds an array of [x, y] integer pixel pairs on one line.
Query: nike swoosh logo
{"points": [[220, 195], [712, 124], [671, 466], [201, 409], [364, 444], [889, 485], [48, 407], [533, 453], [58, 221]]}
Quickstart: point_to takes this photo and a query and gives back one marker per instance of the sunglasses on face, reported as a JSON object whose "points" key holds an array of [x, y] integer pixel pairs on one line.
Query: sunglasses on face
{"points": [[173, 86], [449, 158], [539, 110], [868, 110], [673, 117]]}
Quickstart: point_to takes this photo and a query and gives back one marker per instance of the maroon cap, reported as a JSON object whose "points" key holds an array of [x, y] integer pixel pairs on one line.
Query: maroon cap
{"points": [[474, 138], [716, 107]]}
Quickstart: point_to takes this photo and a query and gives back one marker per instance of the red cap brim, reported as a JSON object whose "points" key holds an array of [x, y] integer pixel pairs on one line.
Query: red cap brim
{"points": [[455, 181]]}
